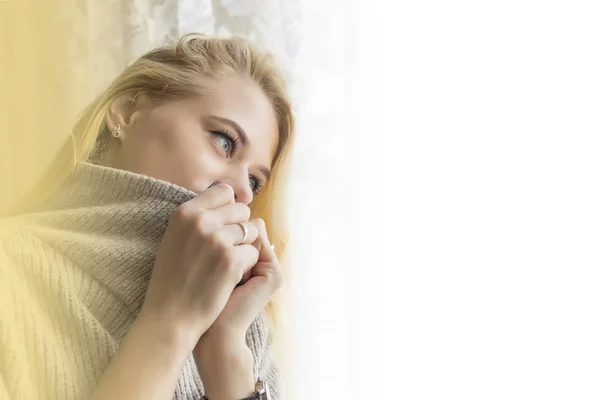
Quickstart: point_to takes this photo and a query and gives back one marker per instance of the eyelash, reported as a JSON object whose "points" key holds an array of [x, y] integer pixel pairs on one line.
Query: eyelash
{"points": [[233, 140], [234, 145], [259, 184]]}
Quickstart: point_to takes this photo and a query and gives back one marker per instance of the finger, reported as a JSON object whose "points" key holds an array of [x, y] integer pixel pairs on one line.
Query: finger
{"points": [[231, 214], [265, 250], [248, 256], [262, 243], [217, 196], [246, 276], [234, 233], [254, 295]]}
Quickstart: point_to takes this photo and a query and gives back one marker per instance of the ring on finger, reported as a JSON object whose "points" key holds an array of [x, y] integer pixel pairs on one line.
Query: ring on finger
{"points": [[244, 231]]}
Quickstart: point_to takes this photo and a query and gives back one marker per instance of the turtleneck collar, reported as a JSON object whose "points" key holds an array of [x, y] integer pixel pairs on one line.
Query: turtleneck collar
{"points": [[109, 222], [96, 185]]}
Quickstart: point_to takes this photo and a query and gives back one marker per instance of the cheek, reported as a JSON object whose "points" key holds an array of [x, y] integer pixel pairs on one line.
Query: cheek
{"points": [[174, 154], [201, 169], [200, 163]]}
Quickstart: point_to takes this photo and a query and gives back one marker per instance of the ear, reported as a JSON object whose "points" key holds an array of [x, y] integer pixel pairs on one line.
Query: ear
{"points": [[122, 111]]}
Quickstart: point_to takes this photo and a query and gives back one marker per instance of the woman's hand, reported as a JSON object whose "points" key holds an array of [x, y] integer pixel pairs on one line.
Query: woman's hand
{"points": [[222, 349], [199, 262], [262, 281]]}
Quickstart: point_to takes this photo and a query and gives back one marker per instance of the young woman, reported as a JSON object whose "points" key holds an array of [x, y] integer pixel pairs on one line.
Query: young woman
{"points": [[136, 270]]}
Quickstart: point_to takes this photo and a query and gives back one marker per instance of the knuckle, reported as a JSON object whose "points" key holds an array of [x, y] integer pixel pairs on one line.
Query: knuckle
{"points": [[260, 224], [230, 261], [253, 233], [182, 212], [203, 223], [215, 242]]}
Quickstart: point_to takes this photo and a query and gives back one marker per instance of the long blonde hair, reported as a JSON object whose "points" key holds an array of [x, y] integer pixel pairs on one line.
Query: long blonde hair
{"points": [[173, 72]]}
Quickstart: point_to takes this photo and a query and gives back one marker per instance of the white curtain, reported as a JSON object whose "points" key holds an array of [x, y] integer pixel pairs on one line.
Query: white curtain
{"points": [[108, 35]]}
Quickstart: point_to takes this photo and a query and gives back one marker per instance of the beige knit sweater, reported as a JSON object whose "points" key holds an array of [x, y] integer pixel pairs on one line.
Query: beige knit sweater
{"points": [[73, 275]]}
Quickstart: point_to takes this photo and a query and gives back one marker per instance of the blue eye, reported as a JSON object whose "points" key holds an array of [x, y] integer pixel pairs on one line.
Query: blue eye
{"points": [[227, 142]]}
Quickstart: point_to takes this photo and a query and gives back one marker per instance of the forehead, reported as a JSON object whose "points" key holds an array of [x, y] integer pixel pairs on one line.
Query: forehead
{"points": [[244, 102]]}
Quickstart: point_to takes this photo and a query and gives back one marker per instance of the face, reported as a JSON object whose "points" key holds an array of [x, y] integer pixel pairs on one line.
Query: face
{"points": [[228, 135]]}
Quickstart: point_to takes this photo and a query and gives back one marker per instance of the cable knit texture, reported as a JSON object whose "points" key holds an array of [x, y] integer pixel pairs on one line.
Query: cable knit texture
{"points": [[73, 275]]}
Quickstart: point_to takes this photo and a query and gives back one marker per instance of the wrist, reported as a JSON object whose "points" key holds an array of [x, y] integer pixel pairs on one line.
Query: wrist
{"points": [[166, 333], [148, 363], [222, 337], [226, 368]]}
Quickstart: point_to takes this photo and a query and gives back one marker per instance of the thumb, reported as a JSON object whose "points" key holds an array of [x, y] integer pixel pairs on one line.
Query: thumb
{"points": [[248, 300], [264, 280]]}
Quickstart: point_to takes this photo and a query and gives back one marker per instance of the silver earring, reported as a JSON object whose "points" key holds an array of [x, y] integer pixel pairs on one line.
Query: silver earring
{"points": [[116, 132]]}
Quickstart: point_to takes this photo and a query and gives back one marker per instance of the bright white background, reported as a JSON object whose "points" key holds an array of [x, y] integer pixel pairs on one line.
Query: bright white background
{"points": [[446, 192], [446, 200]]}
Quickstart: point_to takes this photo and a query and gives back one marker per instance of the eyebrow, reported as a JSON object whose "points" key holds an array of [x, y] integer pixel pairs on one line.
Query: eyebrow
{"points": [[243, 138]]}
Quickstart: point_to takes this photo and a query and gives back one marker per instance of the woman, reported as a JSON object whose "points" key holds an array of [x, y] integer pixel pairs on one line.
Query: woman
{"points": [[141, 275]]}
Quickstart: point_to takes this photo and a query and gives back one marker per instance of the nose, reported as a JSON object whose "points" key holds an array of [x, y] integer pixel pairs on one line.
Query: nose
{"points": [[241, 186]]}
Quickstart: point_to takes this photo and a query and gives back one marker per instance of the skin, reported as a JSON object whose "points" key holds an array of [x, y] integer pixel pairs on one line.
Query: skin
{"points": [[192, 304], [173, 142]]}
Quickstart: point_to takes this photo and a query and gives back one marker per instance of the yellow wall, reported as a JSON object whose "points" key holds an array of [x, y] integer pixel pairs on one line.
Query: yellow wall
{"points": [[46, 55]]}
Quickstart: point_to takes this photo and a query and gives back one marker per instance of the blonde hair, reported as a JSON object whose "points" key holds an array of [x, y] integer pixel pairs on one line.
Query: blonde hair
{"points": [[173, 72]]}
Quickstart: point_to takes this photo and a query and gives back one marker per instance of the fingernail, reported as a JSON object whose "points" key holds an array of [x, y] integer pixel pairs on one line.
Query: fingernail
{"points": [[213, 184]]}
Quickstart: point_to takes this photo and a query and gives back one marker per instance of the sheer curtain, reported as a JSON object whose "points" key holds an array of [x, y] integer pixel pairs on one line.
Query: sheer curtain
{"points": [[109, 35]]}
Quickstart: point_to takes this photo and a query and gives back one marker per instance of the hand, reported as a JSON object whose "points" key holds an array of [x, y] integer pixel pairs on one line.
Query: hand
{"points": [[223, 359], [248, 300], [199, 262]]}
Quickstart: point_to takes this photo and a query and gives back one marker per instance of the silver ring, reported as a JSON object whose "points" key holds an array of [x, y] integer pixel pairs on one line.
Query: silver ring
{"points": [[245, 231]]}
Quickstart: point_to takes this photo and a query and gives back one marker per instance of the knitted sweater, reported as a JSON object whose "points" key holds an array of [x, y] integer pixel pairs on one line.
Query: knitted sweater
{"points": [[73, 276]]}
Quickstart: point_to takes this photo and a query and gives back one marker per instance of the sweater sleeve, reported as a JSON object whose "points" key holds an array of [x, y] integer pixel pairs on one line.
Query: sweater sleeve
{"points": [[6, 298], [8, 287], [46, 337], [273, 378], [17, 309]]}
